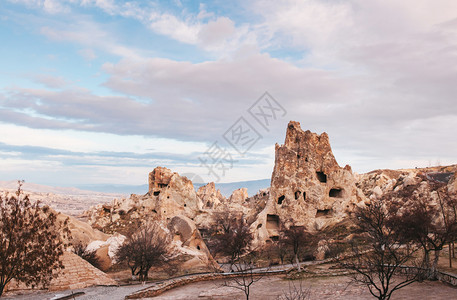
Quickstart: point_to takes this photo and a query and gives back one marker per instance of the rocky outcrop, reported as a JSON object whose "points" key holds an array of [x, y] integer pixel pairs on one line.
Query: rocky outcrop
{"points": [[169, 195], [209, 196], [239, 196], [308, 187], [188, 241], [377, 183]]}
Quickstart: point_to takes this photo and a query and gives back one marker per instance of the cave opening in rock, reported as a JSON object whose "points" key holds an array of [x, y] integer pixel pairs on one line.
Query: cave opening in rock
{"points": [[336, 193], [304, 195], [297, 195], [281, 199], [272, 222], [162, 185], [198, 247], [156, 193], [321, 177], [323, 212]]}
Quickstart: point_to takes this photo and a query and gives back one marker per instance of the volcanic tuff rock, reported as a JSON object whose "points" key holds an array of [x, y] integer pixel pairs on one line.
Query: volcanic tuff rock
{"points": [[210, 196], [187, 240], [307, 186], [169, 195]]}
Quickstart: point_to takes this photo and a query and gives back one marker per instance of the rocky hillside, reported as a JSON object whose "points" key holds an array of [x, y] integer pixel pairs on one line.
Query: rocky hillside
{"points": [[308, 188]]}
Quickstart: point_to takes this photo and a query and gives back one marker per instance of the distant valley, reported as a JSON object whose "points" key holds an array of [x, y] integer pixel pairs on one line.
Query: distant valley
{"points": [[75, 200]]}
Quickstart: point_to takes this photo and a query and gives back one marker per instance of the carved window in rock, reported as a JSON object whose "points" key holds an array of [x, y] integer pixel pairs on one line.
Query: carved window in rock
{"points": [[297, 195], [321, 176], [323, 213], [281, 199], [272, 222], [336, 193]]}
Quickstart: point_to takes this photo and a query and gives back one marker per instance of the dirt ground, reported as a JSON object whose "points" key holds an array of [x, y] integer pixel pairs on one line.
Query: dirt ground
{"points": [[320, 288], [267, 288]]}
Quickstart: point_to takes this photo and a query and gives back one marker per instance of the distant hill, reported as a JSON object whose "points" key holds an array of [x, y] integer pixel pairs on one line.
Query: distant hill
{"points": [[253, 187], [116, 190]]}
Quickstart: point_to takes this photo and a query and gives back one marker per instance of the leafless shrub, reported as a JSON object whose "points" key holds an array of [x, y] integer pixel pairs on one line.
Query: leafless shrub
{"points": [[144, 249], [295, 292]]}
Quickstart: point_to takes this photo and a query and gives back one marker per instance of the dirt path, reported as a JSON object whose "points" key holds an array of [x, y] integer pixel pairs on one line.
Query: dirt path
{"points": [[320, 288]]}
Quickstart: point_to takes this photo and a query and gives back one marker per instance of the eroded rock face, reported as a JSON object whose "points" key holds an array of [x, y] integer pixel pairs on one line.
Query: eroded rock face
{"points": [[210, 197], [307, 185], [169, 195], [239, 196], [188, 250], [177, 197]]}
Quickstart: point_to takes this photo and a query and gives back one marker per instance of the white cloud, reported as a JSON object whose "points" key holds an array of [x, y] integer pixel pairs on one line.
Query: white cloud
{"points": [[179, 30]]}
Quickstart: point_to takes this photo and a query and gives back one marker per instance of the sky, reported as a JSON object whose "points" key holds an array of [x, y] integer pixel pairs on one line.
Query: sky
{"points": [[103, 91]]}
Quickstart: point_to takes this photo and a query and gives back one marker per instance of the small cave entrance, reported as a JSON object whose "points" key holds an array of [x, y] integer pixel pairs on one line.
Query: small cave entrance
{"points": [[336, 193], [323, 213], [281, 199], [274, 238], [272, 222], [297, 195], [198, 247], [304, 196], [156, 193], [321, 177], [162, 185]]}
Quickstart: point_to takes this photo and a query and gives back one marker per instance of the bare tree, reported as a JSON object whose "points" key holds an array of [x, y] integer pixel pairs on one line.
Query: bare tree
{"points": [[295, 292], [234, 238], [144, 249], [31, 241], [428, 217], [296, 238], [378, 264], [245, 275]]}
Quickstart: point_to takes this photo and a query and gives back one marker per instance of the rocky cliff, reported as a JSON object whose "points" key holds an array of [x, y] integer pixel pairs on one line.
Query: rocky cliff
{"points": [[308, 187]]}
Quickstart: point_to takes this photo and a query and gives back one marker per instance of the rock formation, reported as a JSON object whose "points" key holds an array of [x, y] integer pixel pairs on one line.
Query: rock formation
{"points": [[210, 197], [187, 240], [308, 187]]}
